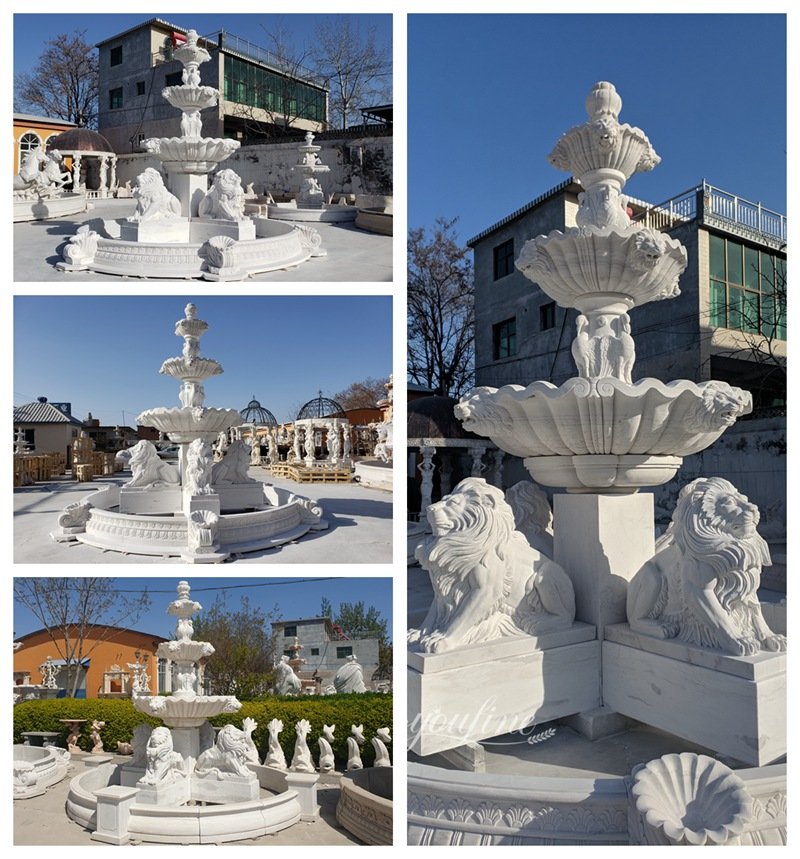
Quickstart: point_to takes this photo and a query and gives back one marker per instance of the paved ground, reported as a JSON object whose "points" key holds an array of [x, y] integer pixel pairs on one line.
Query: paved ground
{"points": [[359, 532], [353, 254], [43, 821]]}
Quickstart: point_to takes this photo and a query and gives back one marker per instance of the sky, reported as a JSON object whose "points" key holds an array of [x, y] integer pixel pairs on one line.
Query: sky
{"points": [[103, 353], [294, 597], [32, 31], [489, 96]]}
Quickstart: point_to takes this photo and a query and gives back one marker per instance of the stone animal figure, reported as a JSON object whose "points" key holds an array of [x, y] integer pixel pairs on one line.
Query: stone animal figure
{"points": [[153, 200], [198, 468], [326, 761], [232, 468], [147, 469], [532, 514], [488, 582], [353, 747], [720, 406], [225, 200], [379, 742], [230, 754], [302, 762], [164, 765], [286, 681], [275, 756], [350, 677], [701, 585]]}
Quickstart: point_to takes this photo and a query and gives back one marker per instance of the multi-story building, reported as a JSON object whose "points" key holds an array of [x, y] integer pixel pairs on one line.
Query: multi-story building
{"points": [[728, 323], [258, 92], [324, 647]]}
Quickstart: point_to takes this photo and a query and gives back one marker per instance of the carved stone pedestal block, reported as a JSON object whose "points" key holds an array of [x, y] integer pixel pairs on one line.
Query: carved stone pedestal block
{"points": [[735, 705], [226, 787], [172, 793], [205, 228], [305, 784], [149, 499], [483, 690], [113, 813], [239, 496], [162, 231]]}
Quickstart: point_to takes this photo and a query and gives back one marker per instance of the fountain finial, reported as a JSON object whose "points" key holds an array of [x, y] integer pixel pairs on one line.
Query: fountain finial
{"points": [[603, 100]]}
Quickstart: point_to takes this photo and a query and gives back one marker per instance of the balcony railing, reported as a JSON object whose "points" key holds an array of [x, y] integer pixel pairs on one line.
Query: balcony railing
{"points": [[716, 207]]}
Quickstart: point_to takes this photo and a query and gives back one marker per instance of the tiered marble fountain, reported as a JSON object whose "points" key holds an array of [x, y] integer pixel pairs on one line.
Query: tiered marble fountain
{"points": [[183, 785], [191, 231], [615, 627], [309, 204], [202, 512]]}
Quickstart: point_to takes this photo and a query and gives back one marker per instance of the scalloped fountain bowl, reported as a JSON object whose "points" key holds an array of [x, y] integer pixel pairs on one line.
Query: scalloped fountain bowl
{"points": [[186, 424], [176, 711], [603, 433], [191, 155], [187, 98]]}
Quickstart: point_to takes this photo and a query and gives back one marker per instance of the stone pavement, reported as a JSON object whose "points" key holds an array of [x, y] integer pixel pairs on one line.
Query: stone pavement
{"points": [[359, 530], [353, 254], [43, 821]]}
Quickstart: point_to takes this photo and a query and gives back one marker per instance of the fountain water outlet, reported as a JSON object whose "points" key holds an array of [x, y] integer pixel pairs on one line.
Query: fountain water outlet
{"points": [[202, 511], [189, 231], [183, 785], [309, 203]]}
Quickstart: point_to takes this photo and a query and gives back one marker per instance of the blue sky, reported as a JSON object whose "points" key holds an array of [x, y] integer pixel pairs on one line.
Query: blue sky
{"points": [[103, 353], [31, 31], [489, 96], [295, 597]]}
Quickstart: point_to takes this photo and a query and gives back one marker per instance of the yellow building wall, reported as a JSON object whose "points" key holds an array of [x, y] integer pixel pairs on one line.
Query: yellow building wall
{"points": [[43, 128]]}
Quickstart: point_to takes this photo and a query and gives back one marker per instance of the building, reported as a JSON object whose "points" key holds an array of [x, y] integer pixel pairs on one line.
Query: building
{"points": [[324, 648], [104, 671], [258, 93], [35, 132], [47, 427], [732, 297]]}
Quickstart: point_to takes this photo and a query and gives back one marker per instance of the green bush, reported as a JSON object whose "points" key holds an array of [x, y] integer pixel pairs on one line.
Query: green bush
{"points": [[371, 709]]}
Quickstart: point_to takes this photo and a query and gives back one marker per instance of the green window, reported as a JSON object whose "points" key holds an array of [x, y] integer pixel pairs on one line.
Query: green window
{"points": [[115, 98], [747, 288], [504, 337], [116, 56], [503, 259]]}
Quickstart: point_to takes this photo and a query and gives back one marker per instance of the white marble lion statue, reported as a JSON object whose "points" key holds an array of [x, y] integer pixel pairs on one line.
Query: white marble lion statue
{"points": [[153, 200], [701, 585], [488, 582], [232, 468], [225, 200], [147, 469]]}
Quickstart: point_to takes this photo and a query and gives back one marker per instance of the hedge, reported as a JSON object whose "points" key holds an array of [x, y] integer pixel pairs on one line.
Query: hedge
{"points": [[373, 710]]}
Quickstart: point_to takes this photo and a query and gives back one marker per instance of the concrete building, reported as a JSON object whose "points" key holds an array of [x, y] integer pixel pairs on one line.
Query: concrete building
{"points": [[732, 296], [47, 427], [258, 91], [325, 649]]}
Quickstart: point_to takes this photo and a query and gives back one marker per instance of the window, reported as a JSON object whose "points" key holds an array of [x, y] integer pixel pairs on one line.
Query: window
{"points": [[139, 87], [116, 56], [343, 652], [115, 98], [173, 79], [504, 339], [747, 288], [315, 651], [290, 631], [29, 142], [504, 259], [547, 316]]}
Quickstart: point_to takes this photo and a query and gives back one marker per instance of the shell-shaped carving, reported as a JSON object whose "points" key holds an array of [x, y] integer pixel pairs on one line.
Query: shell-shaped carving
{"points": [[190, 420], [202, 149], [604, 416], [187, 98], [604, 143], [640, 263], [691, 799], [195, 369], [186, 711]]}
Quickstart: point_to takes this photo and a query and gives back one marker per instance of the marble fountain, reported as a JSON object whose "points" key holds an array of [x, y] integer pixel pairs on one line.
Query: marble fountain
{"points": [[39, 191], [182, 785], [201, 511], [597, 687], [190, 231]]}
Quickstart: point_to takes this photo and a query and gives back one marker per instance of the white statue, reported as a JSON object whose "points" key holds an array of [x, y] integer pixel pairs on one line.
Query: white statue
{"points": [[191, 125], [326, 762], [701, 585], [353, 748], [198, 468], [225, 200], [296, 443], [97, 740], [286, 681], [147, 469], [532, 515], [334, 444], [302, 761], [382, 758], [52, 170], [164, 765], [272, 447], [202, 530], [230, 754], [487, 581], [153, 200], [232, 468], [255, 450], [350, 677], [275, 757]]}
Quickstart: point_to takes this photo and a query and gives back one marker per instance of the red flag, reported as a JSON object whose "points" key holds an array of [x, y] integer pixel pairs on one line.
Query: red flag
{"points": [[177, 39]]}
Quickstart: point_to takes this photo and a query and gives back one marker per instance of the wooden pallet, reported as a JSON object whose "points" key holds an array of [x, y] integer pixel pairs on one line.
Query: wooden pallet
{"points": [[299, 473]]}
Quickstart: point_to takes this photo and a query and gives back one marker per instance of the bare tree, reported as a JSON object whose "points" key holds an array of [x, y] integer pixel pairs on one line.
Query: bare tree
{"points": [[75, 610], [362, 395], [64, 83], [356, 67], [441, 317]]}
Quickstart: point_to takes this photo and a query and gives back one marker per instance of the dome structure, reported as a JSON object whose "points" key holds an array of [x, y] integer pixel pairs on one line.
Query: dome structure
{"points": [[320, 407], [255, 413], [80, 140], [433, 417]]}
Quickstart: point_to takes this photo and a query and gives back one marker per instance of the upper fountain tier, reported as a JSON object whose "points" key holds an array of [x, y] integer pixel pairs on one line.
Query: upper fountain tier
{"points": [[190, 367]]}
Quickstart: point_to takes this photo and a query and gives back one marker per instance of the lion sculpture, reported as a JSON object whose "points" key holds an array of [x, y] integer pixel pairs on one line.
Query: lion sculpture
{"points": [[230, 754], [225, 200], [232, 468], [153, 200], [700, 586], [720, 406], [198, 468], [532, 515], [164, 764], [147, 469], [488, 582]]}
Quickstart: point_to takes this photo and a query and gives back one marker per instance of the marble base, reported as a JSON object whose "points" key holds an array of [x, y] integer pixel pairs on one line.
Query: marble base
{"points": [[151, 499], [365, 805], [49, 207], [113, 813], [733, 705], [322, 214], [375, 473], [375, 221], [205, 228], [162, 231], [175, 792], [226, 787], [484, 690], [239, 496]]}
